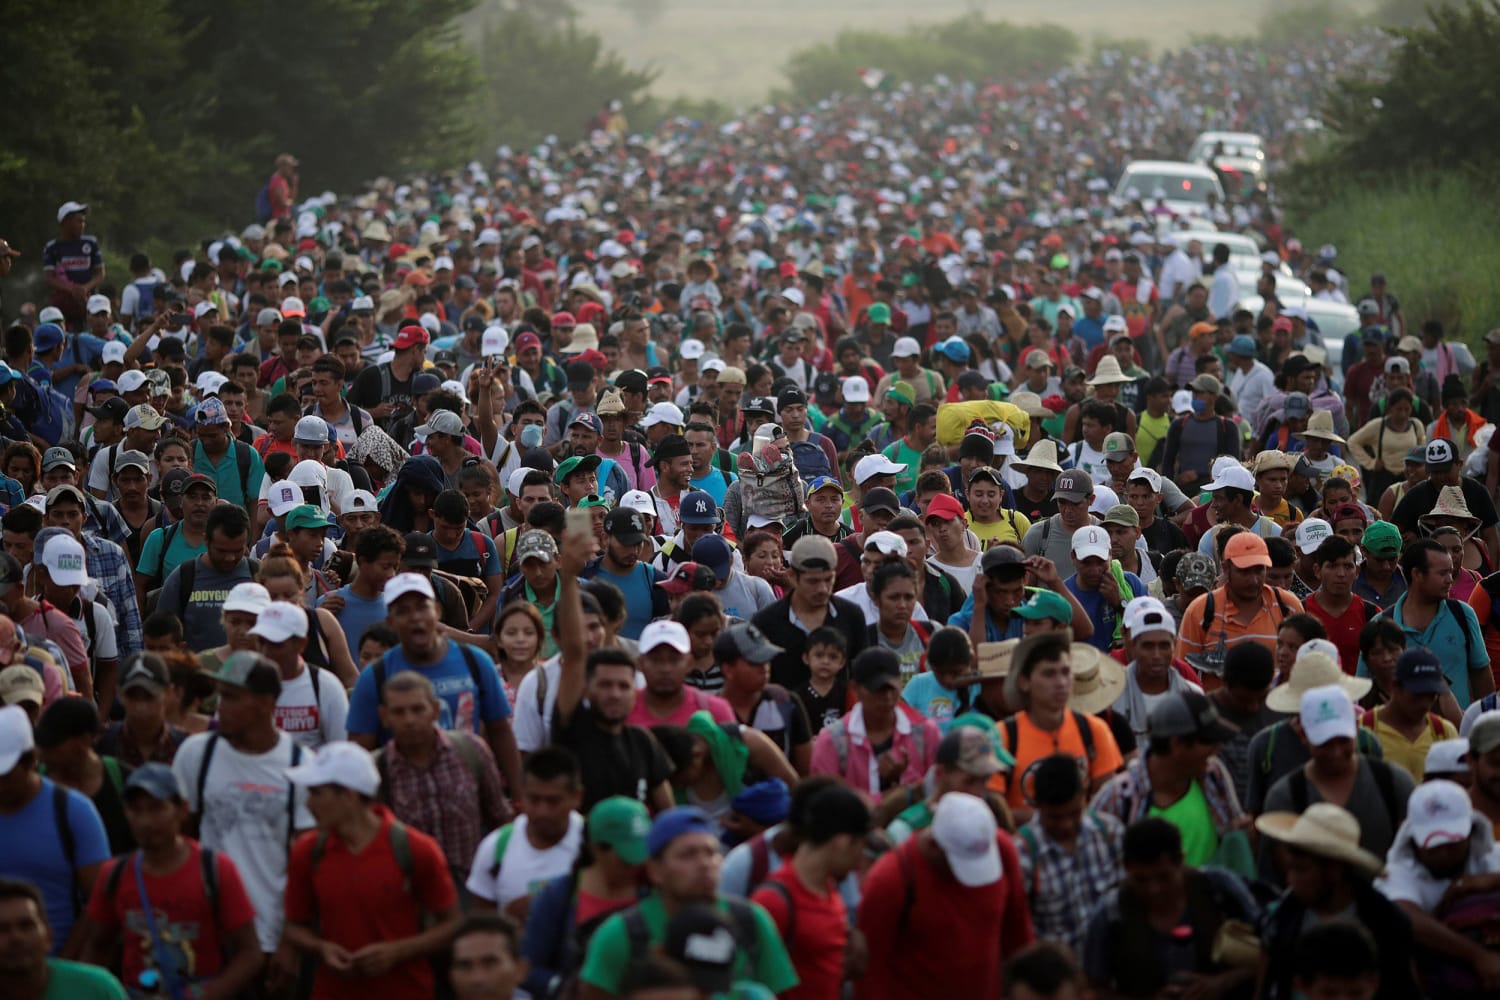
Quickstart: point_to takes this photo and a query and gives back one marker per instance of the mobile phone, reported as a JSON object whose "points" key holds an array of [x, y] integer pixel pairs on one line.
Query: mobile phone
{"points": [[496, 360], [179, 319], [579, 522]]}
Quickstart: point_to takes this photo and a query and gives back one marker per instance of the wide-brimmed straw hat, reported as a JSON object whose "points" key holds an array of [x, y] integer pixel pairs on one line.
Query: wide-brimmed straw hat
{"points": [[1324, 829]]}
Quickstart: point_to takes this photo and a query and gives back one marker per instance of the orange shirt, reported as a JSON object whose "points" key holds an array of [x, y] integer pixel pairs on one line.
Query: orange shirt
{"points": [[1034, 744], [1228, 628]]}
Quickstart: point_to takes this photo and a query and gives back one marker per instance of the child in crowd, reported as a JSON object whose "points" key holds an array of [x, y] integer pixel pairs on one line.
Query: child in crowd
{"points": [[826, 694]]}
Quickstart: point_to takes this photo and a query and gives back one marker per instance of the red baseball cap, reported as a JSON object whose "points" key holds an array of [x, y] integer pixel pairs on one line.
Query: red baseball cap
{"points": [[788, 269], [595, 358], [1282, 323], [564, 319], [527, 339], [410, 335], [946, 507]]}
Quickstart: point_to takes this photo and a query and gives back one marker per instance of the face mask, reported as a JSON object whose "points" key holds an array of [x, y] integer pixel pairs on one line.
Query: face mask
{"points": [[1199, 406], [531, 436]]}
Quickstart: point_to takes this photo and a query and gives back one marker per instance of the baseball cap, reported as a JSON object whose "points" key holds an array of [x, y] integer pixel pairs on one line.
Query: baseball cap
{"points": [[410, 335], [421, 550], [112, 409], [1419, 671], [279, 622], [623, 824], [55, 458], [689, 576], [131, 380], [879, 499], [147, 671], [1443, 757], [535, 545], [156, 780], [22, 683], [698, 507], [312, 430], [347, 765], [1004, 560], [969, 750], [250, 671], [1147, 614], [665, 633], [1197, 569], [283, 497], [1118, 446], [210, 413], [1440, 453], [1311, 533], [887, 543], [1484, 735], [1044, 604], [251, 598], [856, 390], [625, 525], [1382, 539], [63, 559], [670, 447], [305, 516], [1074, 485], [663, 413], [47, 336], [823, 482], [438, 422], [1090, 540], [713, 552], [790, 396], [1122, 514], [1243, 345], [906, 347], [944, 507], [1206, 383], [637, 500], [1189, 713], [1327, 713], [143, 416], [1150, 477], [876, 465], [65, 492], [1438, 812], [1246, 550], [875, 668], [745, 641], [813, 552], [964, 827], [408, 583], [676, 822], [1234, 476], [575, 464]]}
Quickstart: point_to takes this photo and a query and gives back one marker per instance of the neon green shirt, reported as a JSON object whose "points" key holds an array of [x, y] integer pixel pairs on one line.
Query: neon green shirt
{"points": [[1191, 816]]}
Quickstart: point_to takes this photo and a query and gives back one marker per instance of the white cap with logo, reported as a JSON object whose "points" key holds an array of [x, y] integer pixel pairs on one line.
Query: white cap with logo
{"points": [[1090, 540], [665, 633], [414, 583], [1327, 714], [63, 558], [280, 621]]}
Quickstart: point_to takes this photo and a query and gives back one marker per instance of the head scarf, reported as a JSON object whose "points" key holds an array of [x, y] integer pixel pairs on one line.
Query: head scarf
{"points": [[422, 473]]}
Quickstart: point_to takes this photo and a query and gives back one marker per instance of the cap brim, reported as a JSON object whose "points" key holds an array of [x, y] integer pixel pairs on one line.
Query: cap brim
{"points": [[8, 762], [1434, 685], [1093, 550], [978, 871], [630, 537], [1249, 562]]}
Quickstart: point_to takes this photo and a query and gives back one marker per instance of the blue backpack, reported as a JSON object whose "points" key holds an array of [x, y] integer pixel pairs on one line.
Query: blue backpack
{"points": [[263, 204], [811, 461]]}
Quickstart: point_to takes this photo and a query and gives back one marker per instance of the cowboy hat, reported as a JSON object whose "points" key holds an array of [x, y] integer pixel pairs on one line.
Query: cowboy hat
{"points": [[1043, 455], [1097, 679], [1324, 829], [1320, 425], [1450, 505], [993, 662], [1108, 372], [1031, 404], [1024, 651], [1313, 670]]}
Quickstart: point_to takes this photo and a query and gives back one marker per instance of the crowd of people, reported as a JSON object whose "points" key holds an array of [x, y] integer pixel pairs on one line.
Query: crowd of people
{"points": [[845, 550]]}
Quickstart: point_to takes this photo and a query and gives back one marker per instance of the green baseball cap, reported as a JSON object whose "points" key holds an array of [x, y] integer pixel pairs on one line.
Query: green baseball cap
{"points": [[1046, 604], [578, 463], [624, 825], [306, 516], [902, 392], [879, 312], [1382, 540]]}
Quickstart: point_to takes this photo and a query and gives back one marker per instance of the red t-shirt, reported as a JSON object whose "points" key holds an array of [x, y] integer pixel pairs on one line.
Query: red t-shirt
{"points": [[819, 931], [359, 899], [1343, 631], [182, 910], [693, 700], [591, 908]]}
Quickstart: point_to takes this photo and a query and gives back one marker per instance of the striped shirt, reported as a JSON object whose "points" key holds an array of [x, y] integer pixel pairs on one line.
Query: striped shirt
{"points": [[1065, 886], [1225, 630]]}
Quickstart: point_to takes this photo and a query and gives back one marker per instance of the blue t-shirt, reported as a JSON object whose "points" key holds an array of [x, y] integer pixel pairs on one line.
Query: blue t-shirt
{"points": [[461, 706], [179, 552], [1101, 614], [938, 703], [81, 349], [77, 260], [1444, 635], [467, 560], [638, 588], [714, 484], [358, 614], [33, 852], [1090, 331], [965, 618]]}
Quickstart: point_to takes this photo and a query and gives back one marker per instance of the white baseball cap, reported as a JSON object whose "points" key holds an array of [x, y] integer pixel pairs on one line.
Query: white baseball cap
{"points": [[411, 583], [1438, 812], [1147, 614], [1182, 401], [1311, 533], [210, 382], [1447, 757], [964, 827], [1104, 499], [794, 296], [51, 314], [1150, 477], [251, 598], [639, 501], [283, 496], [906, 347], [15, 737], [204, 308], [876, 465], [856, 390], [98, 304], [311, 430], [1235, 476], [1090, 540], [359, 502], [64, 560], [113, 352], [663, 413], [281, 621], [517, 480], [341, 763], [1327, 714], [131, 381], [494, 340], [664, 633], [691, 350], [886, 543]]}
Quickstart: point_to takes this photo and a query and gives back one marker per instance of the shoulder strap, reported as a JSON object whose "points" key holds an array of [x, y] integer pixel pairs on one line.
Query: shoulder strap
{"points": [[401, 848], [385, 380], [113, 773], [1208, 612], [1385, 781], [790, 933], [169, 533], [208, 756], [760, 859], [312, 675], [636, 930], [502, 842], [1437, 725], [64, 828], [379, 673], [1367, 718], [185, 585], [908, 890], [291, 799], [242, 464], [468, 752], [208, 863], [839, 735], [1456, 608], [116, 870], [1034, 848], [1298, 788], [746, 928], [472, 662], [1085, 733]]}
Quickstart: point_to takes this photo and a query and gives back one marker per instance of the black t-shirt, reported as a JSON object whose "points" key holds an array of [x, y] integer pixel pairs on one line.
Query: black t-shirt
{"points": [[1164, 536], [821, 709], [368, 390], [1421, 498], [77, 259], [1034, 510], [629, 763], [782, 718], [788, 669]]}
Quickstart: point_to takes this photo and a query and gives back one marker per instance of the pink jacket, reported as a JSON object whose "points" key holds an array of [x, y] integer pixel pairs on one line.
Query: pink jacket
{"points": [[842, 749]]}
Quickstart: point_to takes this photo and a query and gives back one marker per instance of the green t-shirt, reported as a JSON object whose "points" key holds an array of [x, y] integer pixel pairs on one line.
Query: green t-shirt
{"points": [[1191, 816], [899, 451], [1149, 431], [179, 552], [609, 952], [76, 981], [912, 821], [549, 615]]}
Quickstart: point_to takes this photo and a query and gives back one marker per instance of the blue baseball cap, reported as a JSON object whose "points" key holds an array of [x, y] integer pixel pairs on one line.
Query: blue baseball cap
{"points": [[47, 336], [955, 349], [819, 482], [1243, 345], [156, 780], [589, 420], [6, 373], [714, 552], [698, 507], [676, 822]]}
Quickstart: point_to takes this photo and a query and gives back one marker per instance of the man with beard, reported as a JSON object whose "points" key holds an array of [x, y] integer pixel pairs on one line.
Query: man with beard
{"points": [[620, 564]]}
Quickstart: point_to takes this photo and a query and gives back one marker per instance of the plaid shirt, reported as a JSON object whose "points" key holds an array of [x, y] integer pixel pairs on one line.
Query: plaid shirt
{"points": [[1065, 886], [1127, 797], [102, 519], [110, 565], [446, 800]]}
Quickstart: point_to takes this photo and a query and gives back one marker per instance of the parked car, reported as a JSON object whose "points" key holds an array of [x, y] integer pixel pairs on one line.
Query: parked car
{"points": [[1184, 187], [1239, 154]]}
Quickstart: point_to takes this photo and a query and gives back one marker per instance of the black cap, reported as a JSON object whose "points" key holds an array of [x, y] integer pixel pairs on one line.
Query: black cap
{"points": [[1189, 713], [540, 459], [633, 380], [701, 938], [657, 371], [758, 404], [876, 668], [346, 337], [625, 525], [580, 373], [113, 409], [474, 321], [1003, 560], [421, 550], [670, 447], [790, 397], [881, 499], [10, 572], [445, 358], [65, 719], [826, 385]]}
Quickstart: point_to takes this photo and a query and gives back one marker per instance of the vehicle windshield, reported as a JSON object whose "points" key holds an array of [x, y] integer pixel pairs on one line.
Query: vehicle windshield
{"points": [[1176, 186], [1243, 150]]}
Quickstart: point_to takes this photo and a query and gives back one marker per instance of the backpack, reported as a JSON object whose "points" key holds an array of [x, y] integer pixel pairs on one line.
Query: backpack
{"points": [[208, 871], [291, 793], [1364, 741], [471, 590], [771, 486], [54, 416], [502, 842], [263, 204], [811, 461], [68, 842], [400, 847], [1298, 785]]}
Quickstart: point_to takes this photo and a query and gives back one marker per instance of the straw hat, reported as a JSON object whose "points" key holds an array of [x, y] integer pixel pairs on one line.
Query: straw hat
{"points": [[1320, 425], [1450, 504], [1025, 650], [1313, 670], [1097, 679], [1043, 455], [1324, 829], [1108, 372], [994, 662], [1030, 404]]}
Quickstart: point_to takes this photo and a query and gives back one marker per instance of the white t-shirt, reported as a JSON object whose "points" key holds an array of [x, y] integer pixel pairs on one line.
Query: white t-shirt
{"points": [[1407, 879], [963, 574], [534, 728], [524, 870], [244, 815], [311, 721], [102, 629]]}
